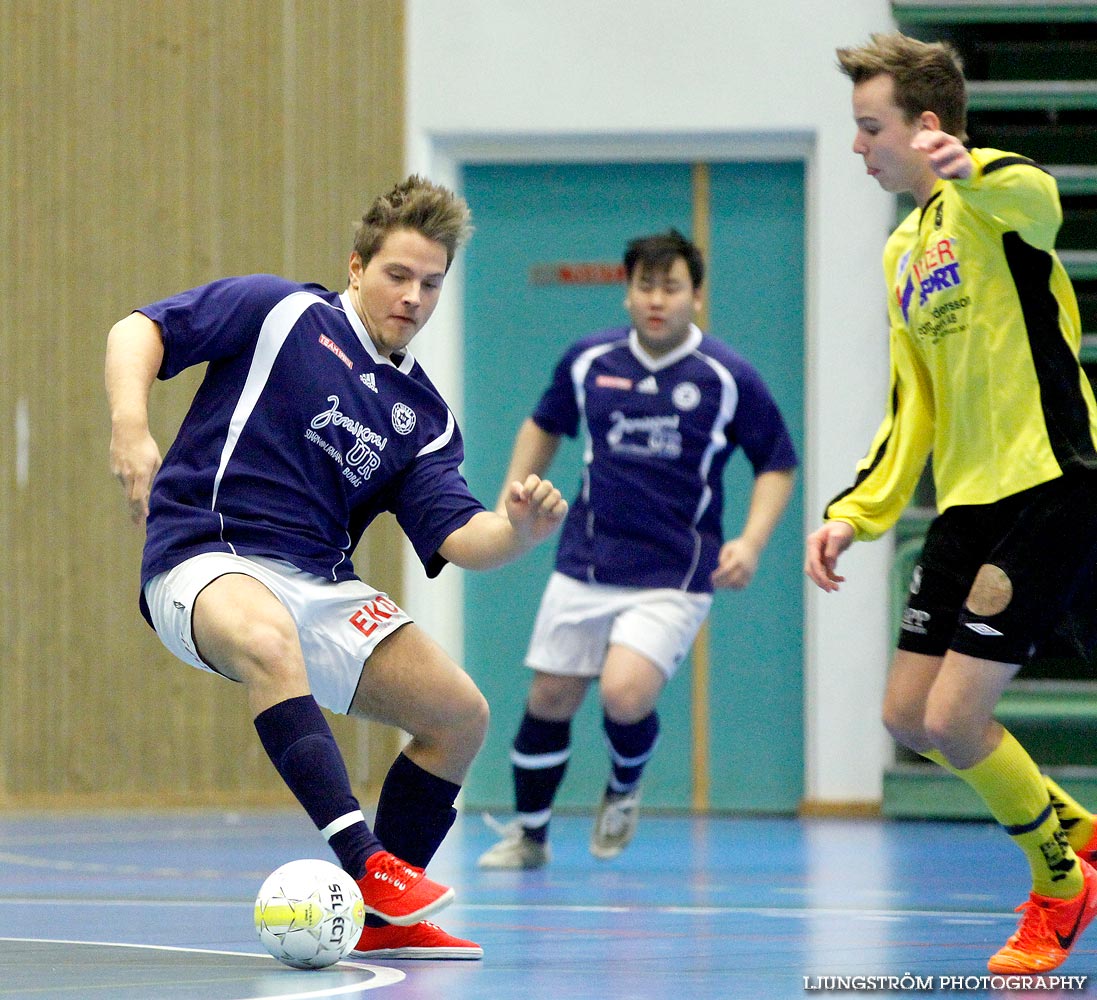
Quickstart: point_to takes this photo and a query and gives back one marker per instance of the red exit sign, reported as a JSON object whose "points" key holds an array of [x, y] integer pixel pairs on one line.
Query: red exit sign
{"points": [[577, 273]]}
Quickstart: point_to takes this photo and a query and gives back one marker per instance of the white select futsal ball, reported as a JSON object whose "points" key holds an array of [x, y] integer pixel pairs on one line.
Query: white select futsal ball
{"points": [[309, 914]]}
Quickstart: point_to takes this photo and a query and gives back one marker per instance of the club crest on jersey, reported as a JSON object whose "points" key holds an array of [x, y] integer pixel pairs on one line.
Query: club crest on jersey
{"points": [[336, 350], [403, 418], [686, 396]]}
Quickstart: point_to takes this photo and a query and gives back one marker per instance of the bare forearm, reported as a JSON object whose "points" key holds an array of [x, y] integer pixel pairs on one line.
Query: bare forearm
{"points": [[768, 501], [533, 510], [533, 452], [486, 541]]}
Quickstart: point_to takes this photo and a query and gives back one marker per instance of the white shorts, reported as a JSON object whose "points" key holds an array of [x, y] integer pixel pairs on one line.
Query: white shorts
{"points": [[338, 624], [577, 622]]}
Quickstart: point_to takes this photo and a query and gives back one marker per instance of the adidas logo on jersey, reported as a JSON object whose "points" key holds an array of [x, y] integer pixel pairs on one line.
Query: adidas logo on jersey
{"points": [[648, 385], [369, 381]]}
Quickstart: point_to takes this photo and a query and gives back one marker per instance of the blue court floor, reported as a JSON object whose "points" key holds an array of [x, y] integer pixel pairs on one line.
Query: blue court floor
{"points": [[144, 906]]}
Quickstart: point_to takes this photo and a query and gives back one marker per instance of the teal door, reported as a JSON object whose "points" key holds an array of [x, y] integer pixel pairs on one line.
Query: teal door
{"points": [[529, 293]]}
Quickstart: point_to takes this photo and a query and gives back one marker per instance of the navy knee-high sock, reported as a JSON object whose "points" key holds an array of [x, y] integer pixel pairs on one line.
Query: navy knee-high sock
{"points": [[301, 746], [414, 811], [539, 759], [630, 748], [414, 814]]}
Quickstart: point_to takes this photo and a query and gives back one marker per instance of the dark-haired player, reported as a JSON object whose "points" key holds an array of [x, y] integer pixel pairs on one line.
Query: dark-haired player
{"points": [[662, 407]]}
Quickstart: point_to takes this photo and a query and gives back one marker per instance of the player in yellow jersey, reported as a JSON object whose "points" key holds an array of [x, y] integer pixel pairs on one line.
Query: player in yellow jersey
{"points": [[985, 376]]}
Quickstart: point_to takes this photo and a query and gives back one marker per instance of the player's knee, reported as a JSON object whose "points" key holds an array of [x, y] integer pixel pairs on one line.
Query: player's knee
{"points": [[625, 703], [905, 723], [468, 716], [991, 592], [555, 698], [956, 735], [268, 649], [455, 734], [479, 718], [905, 726]]}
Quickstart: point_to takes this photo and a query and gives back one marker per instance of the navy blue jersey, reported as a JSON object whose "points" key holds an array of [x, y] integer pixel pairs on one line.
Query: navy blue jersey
{"points": [[299, 435], [658, 435]]}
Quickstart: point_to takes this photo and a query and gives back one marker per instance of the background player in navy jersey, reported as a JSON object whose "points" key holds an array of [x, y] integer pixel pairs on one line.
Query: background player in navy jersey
{"points": [[664, 407], [985, 374], [312, 419]]}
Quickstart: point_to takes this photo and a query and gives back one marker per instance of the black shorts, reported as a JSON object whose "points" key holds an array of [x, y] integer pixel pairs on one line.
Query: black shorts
{"points": [[995, 579]]}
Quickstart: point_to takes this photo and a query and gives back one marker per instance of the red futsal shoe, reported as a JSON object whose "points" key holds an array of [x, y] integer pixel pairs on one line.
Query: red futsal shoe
{"points": [[421, 940], [398, 892]]}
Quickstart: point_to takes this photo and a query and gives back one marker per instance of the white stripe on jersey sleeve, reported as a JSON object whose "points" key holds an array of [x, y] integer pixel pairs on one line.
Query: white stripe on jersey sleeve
{"points": [[441, 441], [729, 402], [272, 335]]}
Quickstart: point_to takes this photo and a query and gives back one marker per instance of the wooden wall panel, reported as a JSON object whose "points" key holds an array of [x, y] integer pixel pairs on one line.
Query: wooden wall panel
{"points": [[147, 146]]}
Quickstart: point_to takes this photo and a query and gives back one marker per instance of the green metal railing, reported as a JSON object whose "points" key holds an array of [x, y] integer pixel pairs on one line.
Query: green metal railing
{"points": [[992, 11]]}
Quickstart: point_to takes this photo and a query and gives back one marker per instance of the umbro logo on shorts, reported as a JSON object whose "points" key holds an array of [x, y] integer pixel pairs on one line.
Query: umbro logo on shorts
{"points": [[982, 629]]}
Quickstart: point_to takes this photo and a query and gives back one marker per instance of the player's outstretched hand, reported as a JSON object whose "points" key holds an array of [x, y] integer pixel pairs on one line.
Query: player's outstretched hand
{"points": [[737, 564], [947, 156], [824, 546], [535, 508], [134, 460]]}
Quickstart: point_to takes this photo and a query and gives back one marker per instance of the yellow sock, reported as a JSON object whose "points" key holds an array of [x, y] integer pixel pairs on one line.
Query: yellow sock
{"points": [[1078, 823], [1013, 788]]}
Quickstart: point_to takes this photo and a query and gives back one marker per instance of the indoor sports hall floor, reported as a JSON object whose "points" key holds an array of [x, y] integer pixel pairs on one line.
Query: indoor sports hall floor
{"points": [[147, 906]]}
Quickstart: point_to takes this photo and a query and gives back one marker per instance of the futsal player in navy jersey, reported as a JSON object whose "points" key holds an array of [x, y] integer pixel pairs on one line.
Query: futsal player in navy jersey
{"points": [[662, 407], [312, 419]]}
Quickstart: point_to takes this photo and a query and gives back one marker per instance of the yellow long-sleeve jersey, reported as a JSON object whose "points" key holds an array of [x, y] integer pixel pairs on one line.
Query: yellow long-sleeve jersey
{"points": [[985, 334]]}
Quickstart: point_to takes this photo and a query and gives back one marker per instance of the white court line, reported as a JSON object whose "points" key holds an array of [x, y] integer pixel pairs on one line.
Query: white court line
{"points": [[100, 868], [795, 912], [382, 976], [84, 837], [799, 912]]}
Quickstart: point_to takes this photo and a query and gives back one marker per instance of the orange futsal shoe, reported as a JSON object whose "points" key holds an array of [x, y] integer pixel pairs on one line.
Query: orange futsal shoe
{"points": [[398, 892], [1048, 929], [421, 940]]}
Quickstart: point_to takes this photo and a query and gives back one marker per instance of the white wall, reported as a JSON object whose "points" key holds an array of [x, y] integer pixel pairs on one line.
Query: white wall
{"points": [[602, 79]]}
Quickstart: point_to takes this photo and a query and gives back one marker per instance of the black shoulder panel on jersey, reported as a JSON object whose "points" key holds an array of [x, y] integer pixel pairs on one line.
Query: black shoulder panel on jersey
{"points": [[1012, 161], [1058, 372]]}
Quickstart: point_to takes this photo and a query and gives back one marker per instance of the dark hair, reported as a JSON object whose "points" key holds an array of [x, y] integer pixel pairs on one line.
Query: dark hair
{"points": [[660, 251], [928, 76], [420, 205]]}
